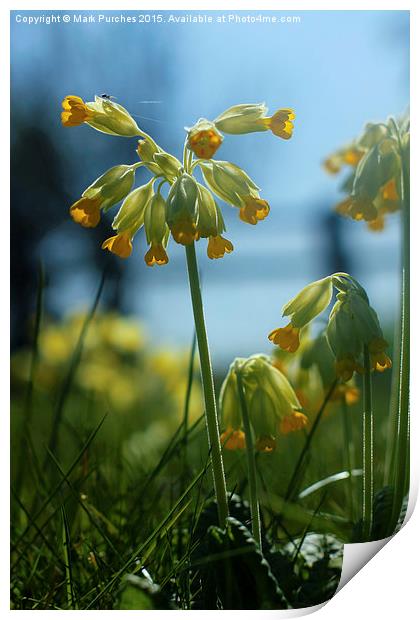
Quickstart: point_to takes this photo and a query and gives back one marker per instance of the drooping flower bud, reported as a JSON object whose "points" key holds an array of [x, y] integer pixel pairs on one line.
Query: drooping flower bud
{"points": [[146, 149], [129, 220], [353, 325], [156, 230], [168, 164], [302, 309], [181, 209], [105, 192]]}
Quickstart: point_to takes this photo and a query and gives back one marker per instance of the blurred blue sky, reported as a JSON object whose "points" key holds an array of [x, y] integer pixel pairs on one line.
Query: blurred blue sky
{"points": [[337, 69]]}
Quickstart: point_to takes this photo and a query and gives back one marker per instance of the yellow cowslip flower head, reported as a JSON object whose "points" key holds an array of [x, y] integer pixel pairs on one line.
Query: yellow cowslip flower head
{"points": [[374, 182], [233, 439], [379, 360], [204, 139], [157, 231], [182, 210], [302, 309], [269, 397], [105, 192], [353, 325], [235, 187], [75, 111], [129, 220], [102, 114]]}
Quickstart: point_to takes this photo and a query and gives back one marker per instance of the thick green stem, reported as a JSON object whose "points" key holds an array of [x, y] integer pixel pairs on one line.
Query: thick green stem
{"points": [[368, 458], [252, 469], [208, 385]]}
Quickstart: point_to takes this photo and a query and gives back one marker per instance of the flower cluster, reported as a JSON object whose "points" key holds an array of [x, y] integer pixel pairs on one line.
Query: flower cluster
{"points": [[374, 183], [189, 211], [353, 325], [272, 404]]}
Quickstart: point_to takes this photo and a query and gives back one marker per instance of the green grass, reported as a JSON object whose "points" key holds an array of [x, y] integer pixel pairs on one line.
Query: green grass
{"points": [[113, 508]]}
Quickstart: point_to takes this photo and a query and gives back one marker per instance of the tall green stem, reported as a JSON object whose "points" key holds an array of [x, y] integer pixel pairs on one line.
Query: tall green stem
{"points": [[401, 462], [208, 385], [349, 452], [252, 470], [368, 458]]}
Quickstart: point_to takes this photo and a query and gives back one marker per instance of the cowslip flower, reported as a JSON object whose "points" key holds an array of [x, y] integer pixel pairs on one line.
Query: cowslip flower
{"points": [[272, 404], [252, 117], [129, 220], [302, 309], [210, 224], [102, 114], [373, 186], [105, 192], [235, 187], [204, 139], [157, 231], [352, 325]]}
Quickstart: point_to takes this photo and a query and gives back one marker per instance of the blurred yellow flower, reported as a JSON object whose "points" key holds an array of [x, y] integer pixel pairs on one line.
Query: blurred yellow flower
{"points": [[287, 338]]}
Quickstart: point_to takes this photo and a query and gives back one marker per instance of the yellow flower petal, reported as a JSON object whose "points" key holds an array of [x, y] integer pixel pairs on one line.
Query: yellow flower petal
{"points": [[86, 212], [156, 255], [287, 338], [254, 210], [75, 111], [120, 244], [293, 422], [218, 247], [233, 440]]}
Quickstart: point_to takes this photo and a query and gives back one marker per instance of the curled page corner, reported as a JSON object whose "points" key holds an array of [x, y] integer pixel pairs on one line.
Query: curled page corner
{"points": [[356, 555]]}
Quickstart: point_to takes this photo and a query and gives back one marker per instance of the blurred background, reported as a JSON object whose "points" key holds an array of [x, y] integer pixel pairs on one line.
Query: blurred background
{"points": [[337, 69]]}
